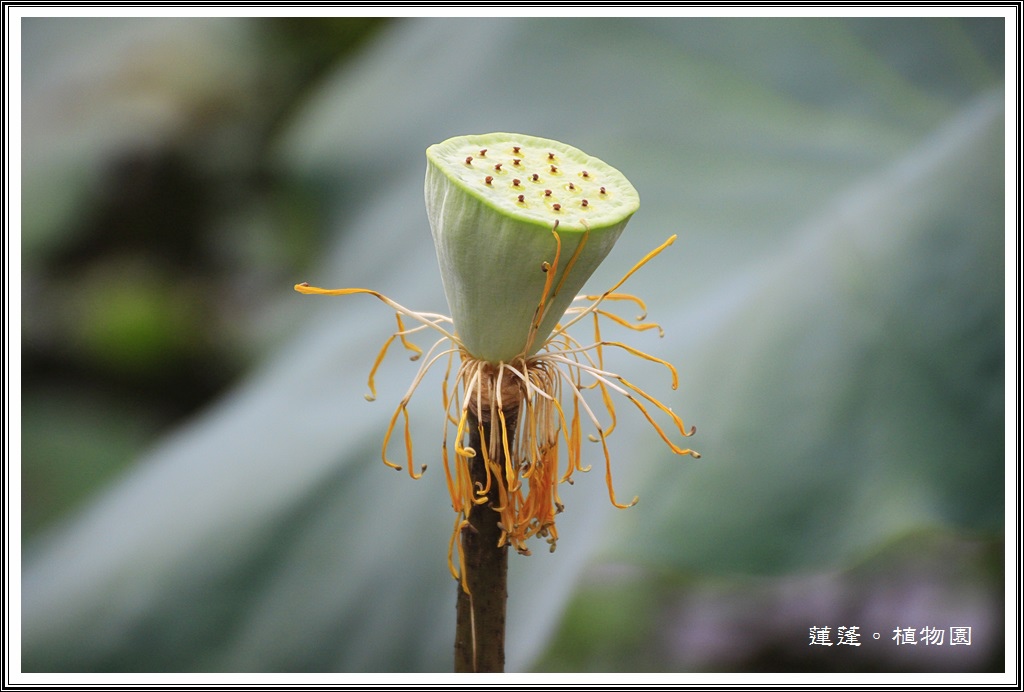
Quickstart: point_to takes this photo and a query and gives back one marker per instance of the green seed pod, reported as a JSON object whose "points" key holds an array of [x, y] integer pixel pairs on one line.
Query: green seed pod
{"points": [[493, 201]]}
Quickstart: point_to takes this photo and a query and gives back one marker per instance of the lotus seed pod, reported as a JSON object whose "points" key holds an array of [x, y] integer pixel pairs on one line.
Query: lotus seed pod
{"points": [[493, 201]]}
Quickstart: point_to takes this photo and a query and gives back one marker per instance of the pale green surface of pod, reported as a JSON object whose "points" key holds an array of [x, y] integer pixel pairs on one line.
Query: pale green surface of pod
{"points": [[493, 201]]}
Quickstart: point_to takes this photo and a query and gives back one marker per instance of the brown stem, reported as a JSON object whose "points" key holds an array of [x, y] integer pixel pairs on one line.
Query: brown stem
{"points": [[480, 615]]}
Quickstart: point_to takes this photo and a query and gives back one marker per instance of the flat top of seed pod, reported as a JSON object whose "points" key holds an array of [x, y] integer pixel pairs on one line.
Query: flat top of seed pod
{"points": [[537, 180]]}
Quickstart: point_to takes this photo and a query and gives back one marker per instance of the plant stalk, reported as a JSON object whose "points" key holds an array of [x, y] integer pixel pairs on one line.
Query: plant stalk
{"points": [[480, 615]]}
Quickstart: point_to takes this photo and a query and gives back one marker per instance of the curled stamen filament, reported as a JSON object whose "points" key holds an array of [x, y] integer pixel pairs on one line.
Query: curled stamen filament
{"points": [[524, 467]]}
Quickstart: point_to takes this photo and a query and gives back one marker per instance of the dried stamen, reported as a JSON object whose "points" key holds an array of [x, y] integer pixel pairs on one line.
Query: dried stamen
{"points": [[525, 469]]}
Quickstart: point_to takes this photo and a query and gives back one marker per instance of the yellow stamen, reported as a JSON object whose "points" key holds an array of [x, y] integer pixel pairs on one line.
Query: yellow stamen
{"points": [[629, 325], [549, 278], [622, 296], [527, 481], [611, 291]]}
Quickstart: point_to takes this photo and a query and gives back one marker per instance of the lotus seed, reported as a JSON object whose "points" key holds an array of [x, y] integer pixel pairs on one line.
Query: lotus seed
{"points": [[567, 173]]}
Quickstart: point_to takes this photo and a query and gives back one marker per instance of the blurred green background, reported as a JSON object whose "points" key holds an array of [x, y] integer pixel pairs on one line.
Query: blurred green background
{"points": [[201, 483]]}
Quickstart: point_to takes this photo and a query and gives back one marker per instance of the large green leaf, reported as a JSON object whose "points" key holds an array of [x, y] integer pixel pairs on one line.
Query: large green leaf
{"points": [[853, 384], [835, 304]]}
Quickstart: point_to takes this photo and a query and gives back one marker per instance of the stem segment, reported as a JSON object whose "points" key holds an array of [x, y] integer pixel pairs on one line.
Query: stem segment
{"points": [[480, 615]]}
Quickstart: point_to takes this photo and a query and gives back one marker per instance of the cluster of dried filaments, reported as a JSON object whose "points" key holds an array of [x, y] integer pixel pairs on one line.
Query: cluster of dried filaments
{"points": [[522, 458]]}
